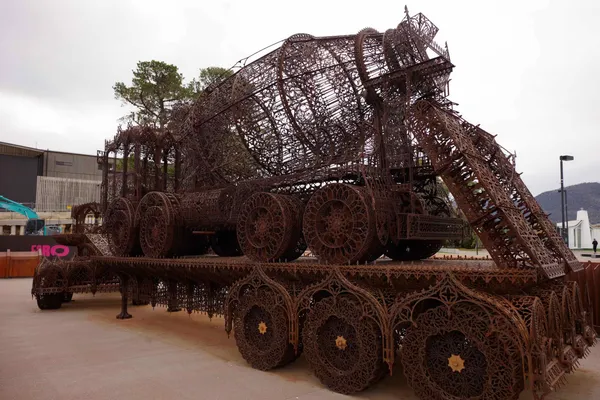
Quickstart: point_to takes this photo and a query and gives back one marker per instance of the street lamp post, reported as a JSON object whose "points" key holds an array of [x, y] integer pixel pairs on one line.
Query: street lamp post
{"points": [[566, 192], [567, 214], [562, 196]]}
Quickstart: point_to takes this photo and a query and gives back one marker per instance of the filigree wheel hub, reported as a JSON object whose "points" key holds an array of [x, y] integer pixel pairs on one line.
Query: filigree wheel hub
{"points": [[461, 354], [335, 223], [336, 335], [342, 345], [155, 232], [448, 356], [262, 222], [456, 362], [264, 227], [339, 224], [157, 216], [262, 330]]}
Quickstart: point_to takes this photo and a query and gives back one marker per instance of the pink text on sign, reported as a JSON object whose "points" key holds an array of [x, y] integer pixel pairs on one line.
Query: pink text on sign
{"points": [[57, 250]]}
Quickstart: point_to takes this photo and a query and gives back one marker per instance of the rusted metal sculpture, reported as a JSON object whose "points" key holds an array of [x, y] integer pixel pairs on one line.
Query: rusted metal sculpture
{"points": [[336, 145], [55, 283]]}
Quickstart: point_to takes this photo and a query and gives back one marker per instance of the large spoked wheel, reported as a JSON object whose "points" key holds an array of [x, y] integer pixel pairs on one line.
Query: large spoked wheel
{"points": [[457, 356], [342, 346], [410, 249], [264, 227], [339, 225], [158, 224], [262, 331], [120, 225], [225, 244], [156, 233]]}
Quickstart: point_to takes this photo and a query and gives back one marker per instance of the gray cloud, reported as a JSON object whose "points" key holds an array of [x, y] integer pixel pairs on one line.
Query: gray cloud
{"points": [[525, 71]]}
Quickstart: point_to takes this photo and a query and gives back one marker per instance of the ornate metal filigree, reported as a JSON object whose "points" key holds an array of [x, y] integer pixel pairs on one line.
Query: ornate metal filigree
{"points": [[336, 146]]}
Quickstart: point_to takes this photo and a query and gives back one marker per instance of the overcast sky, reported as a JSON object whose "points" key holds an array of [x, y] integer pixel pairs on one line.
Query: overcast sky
{"points": [[525, 70]]}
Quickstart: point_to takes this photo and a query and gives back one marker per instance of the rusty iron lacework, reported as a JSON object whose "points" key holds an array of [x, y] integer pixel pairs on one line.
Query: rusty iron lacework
{"points": [[304, 199]]}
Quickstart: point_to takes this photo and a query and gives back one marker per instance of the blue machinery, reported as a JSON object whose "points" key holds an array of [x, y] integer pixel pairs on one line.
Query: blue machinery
{"points": [[35, 225]]}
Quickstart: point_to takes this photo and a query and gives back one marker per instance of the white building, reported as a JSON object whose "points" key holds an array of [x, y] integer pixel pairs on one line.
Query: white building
{"points": [[581, 232]]}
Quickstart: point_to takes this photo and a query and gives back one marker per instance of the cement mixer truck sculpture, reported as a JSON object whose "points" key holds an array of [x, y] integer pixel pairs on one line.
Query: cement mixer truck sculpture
{"points": [[330, 163], [314, 174]]}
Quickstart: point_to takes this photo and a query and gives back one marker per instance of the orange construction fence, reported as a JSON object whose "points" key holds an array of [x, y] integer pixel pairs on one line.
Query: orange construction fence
{"points": [[18, 264]]}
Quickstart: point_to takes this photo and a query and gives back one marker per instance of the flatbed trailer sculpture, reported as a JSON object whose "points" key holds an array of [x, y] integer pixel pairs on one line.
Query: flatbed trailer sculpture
{"points": [[335, 144]]}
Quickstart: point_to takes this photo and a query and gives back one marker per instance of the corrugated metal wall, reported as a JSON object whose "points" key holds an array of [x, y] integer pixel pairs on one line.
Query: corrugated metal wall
{"points": [[18, 178], [55, 194], [72, 166]]}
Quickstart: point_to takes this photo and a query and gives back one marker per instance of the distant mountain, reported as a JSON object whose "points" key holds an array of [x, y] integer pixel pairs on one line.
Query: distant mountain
{"points": [[583, 195]]}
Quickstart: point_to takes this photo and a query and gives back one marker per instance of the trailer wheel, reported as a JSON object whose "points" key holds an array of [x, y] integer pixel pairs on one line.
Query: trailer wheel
{"points": [[49, 301], [343, 346], [457, 354], [262, 330]]}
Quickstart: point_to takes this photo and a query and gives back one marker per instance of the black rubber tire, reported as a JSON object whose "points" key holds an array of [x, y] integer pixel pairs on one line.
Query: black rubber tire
{"points": [[49, 301]]}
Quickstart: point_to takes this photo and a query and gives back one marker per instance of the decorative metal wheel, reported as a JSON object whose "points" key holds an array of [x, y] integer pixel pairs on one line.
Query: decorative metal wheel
{"points": [[459, 355], [411, 249], [225, 244], [156, 233], [157, 225], [297, 244], [343, 346], [262, 330], [121, 228], [339, 225], [264, 227]]}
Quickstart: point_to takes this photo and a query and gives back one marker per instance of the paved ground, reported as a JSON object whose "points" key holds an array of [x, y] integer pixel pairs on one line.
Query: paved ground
{"points": [[82, 352]]}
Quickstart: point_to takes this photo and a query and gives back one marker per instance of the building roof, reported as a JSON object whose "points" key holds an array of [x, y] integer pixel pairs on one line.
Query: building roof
{"points": [[570, 224], [12, 149]]}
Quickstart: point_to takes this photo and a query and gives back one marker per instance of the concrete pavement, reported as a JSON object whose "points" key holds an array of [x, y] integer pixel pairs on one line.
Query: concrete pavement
{"points": [[82, 352]]}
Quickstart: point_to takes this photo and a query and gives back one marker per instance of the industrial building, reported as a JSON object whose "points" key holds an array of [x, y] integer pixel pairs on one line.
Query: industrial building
{"points": [[49, 182]]}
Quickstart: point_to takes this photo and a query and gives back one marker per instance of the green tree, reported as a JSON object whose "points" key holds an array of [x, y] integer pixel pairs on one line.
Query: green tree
{"points": [[162, 99], [207, 77], [156, 86], [210, 76]]}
